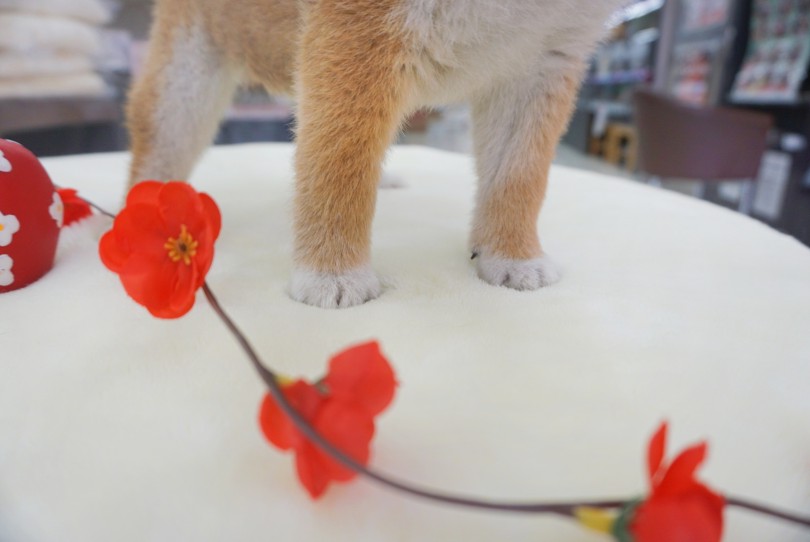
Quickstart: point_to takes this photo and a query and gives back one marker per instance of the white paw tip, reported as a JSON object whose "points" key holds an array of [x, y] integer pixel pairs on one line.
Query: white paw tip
{"points": [[334, 290], [518, 274]]}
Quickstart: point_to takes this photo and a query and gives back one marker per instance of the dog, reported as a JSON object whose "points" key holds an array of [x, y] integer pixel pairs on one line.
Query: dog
{"points": [[357, 68]]}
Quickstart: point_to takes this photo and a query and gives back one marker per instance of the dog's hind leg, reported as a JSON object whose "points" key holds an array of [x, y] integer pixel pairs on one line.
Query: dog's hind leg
{"points": [[516, 130], [177, 102]]}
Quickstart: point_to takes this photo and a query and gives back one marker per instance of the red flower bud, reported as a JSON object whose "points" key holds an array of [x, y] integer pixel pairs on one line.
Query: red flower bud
{"points": [[75, 208]]}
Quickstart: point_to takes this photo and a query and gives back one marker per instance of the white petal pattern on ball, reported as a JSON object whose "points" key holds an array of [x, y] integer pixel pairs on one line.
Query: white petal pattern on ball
{"points": [[6, 276], [57, 210], [9, 225], [5, 165]]}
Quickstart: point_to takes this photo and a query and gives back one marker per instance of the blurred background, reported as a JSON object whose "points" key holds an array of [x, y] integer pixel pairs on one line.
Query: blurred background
{"points": [[707, 97]]}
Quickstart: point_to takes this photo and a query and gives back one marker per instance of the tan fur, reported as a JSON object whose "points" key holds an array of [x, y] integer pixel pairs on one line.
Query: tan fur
{"points": [[169, 17], [506, 220], [275, 24], [357, 68], [344, 91]]}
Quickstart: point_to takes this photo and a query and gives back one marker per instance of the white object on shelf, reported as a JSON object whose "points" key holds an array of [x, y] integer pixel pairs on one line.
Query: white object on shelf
{"points": [[772, 181]]}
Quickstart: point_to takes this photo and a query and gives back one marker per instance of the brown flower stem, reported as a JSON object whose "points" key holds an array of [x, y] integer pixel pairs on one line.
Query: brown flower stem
{"points": [[91, 204], [563, 509], [99, 209], [768, 511], [270, 379]]}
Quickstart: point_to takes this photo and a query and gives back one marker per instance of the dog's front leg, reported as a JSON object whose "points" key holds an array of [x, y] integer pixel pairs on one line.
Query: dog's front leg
{"points": [[351, 94], [175, 107], [516, 129]]}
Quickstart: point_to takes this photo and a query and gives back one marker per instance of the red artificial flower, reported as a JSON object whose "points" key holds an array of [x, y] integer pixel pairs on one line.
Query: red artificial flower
{"points": [[679, 508], [341, 407], [75, 208], [162, 245]]}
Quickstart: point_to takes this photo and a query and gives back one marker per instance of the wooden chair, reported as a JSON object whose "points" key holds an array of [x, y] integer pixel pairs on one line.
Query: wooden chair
{"points": [[621, 145], [702, 143]]}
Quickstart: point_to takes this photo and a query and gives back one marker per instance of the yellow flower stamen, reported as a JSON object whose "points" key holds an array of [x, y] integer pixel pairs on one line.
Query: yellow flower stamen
{"points": [[2, 227], [183, 248], [595, 519], [284, 381]]}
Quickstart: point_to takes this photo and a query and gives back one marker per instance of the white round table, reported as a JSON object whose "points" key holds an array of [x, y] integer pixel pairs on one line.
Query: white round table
{"points": [[117, 426]]}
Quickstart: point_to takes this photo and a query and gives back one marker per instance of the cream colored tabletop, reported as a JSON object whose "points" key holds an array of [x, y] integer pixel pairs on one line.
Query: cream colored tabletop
{"points": [[117, 426]]}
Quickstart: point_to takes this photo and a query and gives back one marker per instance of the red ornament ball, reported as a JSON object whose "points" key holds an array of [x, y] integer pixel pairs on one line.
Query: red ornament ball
{"points": [[31, 215]]}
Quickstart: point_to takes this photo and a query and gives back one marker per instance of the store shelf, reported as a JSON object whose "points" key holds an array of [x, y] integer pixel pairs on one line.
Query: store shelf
{"points": [[27, 114], [621, 78]]}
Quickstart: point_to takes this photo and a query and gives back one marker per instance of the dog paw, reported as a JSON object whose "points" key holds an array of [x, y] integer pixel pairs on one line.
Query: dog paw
{"points": [[517, 274], [335, 290]]}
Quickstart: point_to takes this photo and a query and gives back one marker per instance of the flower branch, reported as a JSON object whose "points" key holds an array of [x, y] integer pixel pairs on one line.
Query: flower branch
{"points": [[271, 380], [575, 509], [162, 245]]}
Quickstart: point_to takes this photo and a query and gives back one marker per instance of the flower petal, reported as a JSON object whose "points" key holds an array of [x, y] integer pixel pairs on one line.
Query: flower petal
{"points": [[680, 476], [348, 428], [363, 376], [144, 192], [112, 254], [139, 228], [148, 281], [655, 452], [276, 426], [312, 471], [211, 211], [204, 257], [185, 283], [177, 307], [179, 204], [75, 208], [697, 517]]}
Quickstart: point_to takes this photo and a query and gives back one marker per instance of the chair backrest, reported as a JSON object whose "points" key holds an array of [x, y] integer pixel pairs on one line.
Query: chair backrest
{"points": [[707, 143]]}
